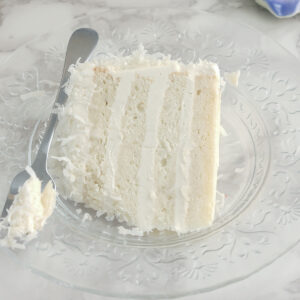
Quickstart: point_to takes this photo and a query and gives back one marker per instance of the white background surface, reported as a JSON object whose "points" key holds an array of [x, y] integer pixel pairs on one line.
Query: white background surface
{"points": [[21, 21]]}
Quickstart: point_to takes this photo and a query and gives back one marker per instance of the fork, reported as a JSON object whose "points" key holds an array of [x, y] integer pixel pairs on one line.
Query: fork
{"points": [[81, 44]]}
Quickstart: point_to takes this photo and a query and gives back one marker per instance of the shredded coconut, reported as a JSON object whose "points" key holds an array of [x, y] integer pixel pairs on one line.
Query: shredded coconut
{"points": [[86, 217], [133, 231], [28, 213], [223, 132], [233, 77]]}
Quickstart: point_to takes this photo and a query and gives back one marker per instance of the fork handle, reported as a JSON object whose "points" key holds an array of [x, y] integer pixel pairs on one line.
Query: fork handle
{"points": [[40, 161], [81, 44]]}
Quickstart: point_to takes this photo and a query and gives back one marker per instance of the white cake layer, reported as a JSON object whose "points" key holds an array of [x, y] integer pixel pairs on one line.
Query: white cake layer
{"points": [[139, 138]]}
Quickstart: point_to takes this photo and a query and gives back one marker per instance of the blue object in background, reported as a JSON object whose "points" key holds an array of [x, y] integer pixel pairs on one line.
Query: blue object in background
{"points": [[281, 8]]}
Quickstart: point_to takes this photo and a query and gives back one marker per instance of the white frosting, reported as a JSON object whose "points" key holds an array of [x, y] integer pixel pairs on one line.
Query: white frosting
{"points": [[114, 137], [183, 157], [28, 213], [146, 186]]}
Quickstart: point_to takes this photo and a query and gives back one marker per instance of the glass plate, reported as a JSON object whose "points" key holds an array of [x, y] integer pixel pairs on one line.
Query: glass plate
{"points": [[259, 163]]}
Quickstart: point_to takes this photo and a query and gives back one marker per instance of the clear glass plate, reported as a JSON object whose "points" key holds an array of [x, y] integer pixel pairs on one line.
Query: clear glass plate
{"points": [[259, 160]]}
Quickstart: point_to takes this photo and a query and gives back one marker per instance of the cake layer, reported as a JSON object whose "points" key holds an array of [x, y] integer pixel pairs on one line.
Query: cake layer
{"points": [[138, 139], [204, 154]]}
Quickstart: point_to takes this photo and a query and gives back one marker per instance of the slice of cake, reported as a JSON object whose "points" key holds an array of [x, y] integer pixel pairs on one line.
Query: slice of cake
{"points": [[139, 140]]}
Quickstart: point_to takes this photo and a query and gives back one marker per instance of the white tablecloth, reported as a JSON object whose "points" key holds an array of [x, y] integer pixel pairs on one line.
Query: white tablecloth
{"points": [[22, 21]]}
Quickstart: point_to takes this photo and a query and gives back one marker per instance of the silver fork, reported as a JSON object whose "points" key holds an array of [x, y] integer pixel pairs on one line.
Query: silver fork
{"points": [[82, 42]]}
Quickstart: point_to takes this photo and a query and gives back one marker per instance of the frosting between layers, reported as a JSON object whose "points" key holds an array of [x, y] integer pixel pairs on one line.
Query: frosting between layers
{"points": [[114, 136]]}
